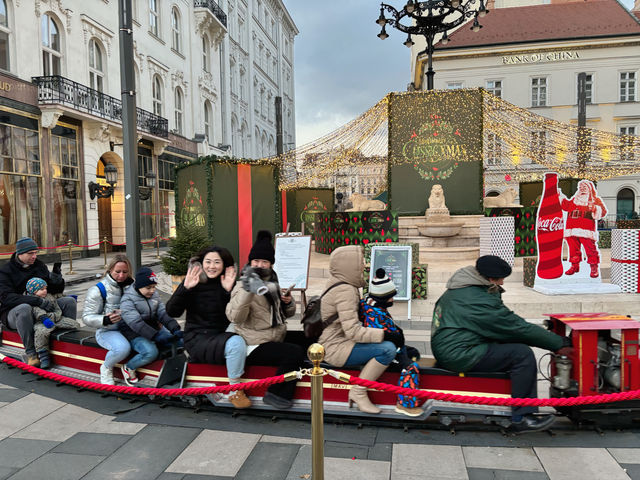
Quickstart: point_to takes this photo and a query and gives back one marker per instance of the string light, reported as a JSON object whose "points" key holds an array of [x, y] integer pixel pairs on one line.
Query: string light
{"points": [[521, 144]]}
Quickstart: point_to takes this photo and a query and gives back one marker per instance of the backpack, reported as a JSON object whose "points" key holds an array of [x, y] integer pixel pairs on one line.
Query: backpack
{"points": [[312, 318], [103, 292]]}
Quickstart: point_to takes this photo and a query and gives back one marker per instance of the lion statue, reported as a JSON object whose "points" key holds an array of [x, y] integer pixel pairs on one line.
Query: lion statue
{"points": [[436, 199], [361, 204], [505, 199]]}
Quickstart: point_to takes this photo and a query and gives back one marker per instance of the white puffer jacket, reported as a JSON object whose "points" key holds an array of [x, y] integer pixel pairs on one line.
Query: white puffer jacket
{"points": [[95, 308]]}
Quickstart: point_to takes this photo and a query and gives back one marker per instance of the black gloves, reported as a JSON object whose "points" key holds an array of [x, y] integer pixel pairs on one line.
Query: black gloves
{"points": [[47, 305], [397, 338]]}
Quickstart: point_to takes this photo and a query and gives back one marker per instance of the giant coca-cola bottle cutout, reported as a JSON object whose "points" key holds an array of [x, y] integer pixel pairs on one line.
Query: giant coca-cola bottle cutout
{"points": [[549, 230]]}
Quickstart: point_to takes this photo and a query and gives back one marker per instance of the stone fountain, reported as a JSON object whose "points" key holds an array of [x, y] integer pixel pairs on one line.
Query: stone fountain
{"points": [[439, 224]]}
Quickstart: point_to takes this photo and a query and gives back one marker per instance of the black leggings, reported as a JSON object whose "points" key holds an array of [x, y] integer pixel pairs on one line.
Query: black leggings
{"points": [[286, 356]]}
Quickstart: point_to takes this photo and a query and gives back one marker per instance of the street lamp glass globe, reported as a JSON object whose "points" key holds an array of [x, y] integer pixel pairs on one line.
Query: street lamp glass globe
{"points": [[455, 3], [408, 42], [445, 39], [383, 34], [476, 26], [111, 174], [410, 7], [381, 20], [151, 179]]}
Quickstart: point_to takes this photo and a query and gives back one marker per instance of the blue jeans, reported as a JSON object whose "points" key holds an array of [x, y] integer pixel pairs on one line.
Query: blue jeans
{"points": [[235, 353], [117, 345], [383, 352], [147, 352]]}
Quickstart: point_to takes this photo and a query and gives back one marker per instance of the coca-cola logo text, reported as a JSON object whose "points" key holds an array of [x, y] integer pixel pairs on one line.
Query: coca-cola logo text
{"points": [[550, 224]]}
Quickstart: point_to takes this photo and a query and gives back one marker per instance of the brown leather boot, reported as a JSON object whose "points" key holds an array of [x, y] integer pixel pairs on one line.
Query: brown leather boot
{"points": [[358, 395], [239, 399], [575, 268]]}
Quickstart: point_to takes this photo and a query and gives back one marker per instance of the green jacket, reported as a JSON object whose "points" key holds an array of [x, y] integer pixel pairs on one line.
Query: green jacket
{"points": [[470, 315]]}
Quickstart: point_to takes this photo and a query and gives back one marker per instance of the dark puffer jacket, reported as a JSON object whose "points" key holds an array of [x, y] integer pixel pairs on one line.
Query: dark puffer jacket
{"points": [[13, 281], [143, 317], [206, 322]]}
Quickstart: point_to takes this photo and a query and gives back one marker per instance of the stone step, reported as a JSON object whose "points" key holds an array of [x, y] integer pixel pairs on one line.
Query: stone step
{"points": [[470, 220], [448, 254], [466, 230], [457, 241]]}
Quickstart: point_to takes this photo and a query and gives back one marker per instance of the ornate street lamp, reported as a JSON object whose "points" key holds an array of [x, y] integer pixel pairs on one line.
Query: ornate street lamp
{"points": [[145, 192], [104, 191], [429, 19]]}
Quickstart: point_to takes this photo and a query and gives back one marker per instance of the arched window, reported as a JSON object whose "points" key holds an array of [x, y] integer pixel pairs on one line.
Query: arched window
{"points": [[4, 36], [176, 43], [178, 110], [157, 95], [625, 204], [96, 70], [208, 121], [206, 53], [154, 17], [51, 49]]}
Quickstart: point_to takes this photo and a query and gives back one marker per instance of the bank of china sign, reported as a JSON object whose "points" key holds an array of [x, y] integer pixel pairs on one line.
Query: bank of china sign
{"points": [[540, 57]]}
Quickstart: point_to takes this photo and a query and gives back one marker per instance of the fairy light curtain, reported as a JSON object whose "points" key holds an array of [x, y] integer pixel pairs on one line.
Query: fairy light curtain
{"points": [[518, 146]]}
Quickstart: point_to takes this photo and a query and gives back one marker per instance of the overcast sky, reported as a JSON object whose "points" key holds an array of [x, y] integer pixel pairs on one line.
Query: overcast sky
{"points": [[341, 67]]}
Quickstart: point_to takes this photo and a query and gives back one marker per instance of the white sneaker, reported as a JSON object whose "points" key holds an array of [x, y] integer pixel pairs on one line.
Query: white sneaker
{"points": [[129, 375], [106, 375]]}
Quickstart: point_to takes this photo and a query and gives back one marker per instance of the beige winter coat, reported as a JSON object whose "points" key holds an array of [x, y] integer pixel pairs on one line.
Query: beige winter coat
{"points": [[251, 315], [345, 265]]}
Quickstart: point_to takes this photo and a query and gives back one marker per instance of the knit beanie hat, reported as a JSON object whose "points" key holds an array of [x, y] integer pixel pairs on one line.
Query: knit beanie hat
{"points": [[34, 284], [492, 266], [145, 277], [382, 286], [262, 248], [25, 244]]}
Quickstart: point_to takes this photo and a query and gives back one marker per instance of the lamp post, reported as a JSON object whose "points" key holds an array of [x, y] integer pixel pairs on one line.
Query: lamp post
{"points": [[429, 19], [104, 191]]}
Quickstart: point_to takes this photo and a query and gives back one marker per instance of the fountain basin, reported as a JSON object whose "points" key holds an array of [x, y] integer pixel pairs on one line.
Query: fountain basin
{"points": [[440, 229]]}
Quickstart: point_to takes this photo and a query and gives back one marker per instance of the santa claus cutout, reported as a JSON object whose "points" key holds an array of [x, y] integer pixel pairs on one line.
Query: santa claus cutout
{"points": [[584, 209]]}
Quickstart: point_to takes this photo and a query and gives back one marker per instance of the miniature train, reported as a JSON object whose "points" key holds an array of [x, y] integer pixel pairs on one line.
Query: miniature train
{"points": [[606, 360]]}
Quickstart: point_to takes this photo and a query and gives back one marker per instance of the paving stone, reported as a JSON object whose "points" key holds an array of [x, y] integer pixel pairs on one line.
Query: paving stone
{"points": [[290, 440], [436, 461], [626, 455], [350, 434], [109, 424], [268, 461], [356, 469], [92, 444], [632, 470], [215, 452], [584, 463], [17, 452], [345, 450], [6, 472], [59, 425], [493, 474], [24, 412], [58, 466], [8, 387], [302, 465], [170, 476], [190, 476], [502, 458], [9, 395], [380, 451], [146, 455]]}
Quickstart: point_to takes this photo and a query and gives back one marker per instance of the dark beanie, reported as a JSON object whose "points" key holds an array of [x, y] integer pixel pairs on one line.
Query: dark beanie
{"points": [[25, 244], [492, 266], [262, 248], [145, 277]]}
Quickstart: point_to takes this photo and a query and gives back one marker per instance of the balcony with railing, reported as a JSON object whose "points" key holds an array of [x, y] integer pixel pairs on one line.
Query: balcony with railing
{"points": [[58, 90], [214, 8]]}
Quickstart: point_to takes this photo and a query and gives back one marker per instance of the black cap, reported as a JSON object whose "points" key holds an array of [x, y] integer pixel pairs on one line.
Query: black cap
{"points": [[492, 266], [262, 248]]}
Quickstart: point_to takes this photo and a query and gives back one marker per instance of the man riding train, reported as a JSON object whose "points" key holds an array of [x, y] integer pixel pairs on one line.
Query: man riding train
{"points": [[473, 331]]}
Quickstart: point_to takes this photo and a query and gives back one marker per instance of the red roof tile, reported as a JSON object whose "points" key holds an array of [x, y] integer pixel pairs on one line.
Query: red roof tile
{"points": [[563, 21]]}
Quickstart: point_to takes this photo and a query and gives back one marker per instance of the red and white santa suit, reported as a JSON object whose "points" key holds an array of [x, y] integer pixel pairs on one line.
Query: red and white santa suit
{"points": [[584, 209]]}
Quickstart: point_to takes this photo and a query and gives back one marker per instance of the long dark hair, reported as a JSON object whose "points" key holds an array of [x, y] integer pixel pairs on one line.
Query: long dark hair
{"points": [[225, 255]]}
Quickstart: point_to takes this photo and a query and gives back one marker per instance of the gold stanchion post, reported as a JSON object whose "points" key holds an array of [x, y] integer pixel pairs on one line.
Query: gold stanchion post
{"points": [[104, 243], [158, 245], [70, 272], [316, 355]]}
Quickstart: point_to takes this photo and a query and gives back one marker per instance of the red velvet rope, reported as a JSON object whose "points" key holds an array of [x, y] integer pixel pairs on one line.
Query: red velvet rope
{"points": [[161, 392], [508, 402], [66, 245]]}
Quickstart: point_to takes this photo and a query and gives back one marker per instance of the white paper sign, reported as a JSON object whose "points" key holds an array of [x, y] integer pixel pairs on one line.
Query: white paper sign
{"points": [[292, 260]]}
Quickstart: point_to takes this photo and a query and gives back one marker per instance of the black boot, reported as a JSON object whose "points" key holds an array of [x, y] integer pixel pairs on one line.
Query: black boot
{"points": [[531, 423], [45, 361]]}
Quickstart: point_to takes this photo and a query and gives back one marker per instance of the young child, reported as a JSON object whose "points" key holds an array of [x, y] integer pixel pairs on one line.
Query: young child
{"points": [[46, 322], [374, 313], [146, 323]]}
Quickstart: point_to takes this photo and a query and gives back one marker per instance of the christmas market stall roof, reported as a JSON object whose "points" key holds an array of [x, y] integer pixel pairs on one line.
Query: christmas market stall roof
{"points": [[525, 145]]}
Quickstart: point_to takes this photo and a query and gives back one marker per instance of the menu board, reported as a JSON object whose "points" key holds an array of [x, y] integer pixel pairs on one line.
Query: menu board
{"points": [[396, 261], [292, 260]]}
